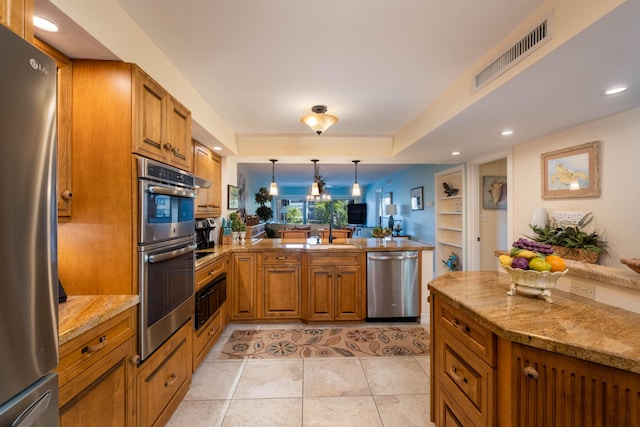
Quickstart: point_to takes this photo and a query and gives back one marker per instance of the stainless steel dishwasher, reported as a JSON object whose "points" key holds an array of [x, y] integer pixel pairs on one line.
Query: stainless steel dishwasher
{"points": [[393, 291]]}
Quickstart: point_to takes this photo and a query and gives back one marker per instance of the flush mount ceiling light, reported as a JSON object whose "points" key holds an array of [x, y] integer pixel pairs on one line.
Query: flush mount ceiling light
{"points": [[615, 90], [273, 190], [355, 190], [319, 121], [318, 191], [455, 153], [45, 24], [506, 132]]}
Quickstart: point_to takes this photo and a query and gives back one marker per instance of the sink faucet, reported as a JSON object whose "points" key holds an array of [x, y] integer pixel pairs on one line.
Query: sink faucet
{"points": [[331, 218]]}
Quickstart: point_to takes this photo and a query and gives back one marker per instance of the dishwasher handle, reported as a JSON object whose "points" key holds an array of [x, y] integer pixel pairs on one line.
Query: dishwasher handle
{"points": [[391, 258]]}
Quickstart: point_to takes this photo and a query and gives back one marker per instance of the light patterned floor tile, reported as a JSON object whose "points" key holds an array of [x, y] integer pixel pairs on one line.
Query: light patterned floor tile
{"points": [[334, 377], [351, 411], [264, 412], [424, 362], [395, 375], [199, 413], [215, 380], [404, 410], [270, 379]]}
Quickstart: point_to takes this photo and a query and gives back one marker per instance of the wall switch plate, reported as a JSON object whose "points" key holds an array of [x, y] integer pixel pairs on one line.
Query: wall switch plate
{"points": [[583, 289], [484, 217]]}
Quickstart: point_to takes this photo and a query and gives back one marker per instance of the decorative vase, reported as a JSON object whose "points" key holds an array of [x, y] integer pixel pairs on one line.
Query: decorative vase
{"points": [[243, 234], [234, 235]]}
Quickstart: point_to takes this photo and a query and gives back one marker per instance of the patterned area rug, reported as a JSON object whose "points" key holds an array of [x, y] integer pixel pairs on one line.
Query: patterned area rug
{"points": [[327, 342]]}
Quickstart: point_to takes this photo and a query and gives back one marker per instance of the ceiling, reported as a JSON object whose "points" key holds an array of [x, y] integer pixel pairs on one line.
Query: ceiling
{"points": [[261, 65]]}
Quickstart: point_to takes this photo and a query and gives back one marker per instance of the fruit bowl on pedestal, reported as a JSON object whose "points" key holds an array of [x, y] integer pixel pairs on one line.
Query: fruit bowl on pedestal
{"points": [[532, 282]]}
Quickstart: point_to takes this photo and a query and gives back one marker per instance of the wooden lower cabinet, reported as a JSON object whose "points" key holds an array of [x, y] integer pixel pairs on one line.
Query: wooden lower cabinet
{"points": [[335, 287], [542, 388], [244, 283], [280, 296], [96, 374], [479, 379], [164, 378], [205, 337]]}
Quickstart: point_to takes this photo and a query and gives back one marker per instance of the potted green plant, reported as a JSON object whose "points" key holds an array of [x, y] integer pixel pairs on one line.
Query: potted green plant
{"points": [[262, 197], [236, 225], [572, 242]]}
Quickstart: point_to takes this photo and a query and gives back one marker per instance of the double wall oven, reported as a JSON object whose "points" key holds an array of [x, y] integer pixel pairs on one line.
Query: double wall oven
{"points": [[166, 247]]}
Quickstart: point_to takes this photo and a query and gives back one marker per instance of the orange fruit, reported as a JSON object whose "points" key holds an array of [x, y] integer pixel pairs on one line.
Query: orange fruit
{"points": [[557, 263]]}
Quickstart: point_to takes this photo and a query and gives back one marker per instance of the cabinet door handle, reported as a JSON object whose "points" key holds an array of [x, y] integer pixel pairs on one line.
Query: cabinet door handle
{"points": [[454, 373], [167, 146], [94, 348], [530, 372], [176, 150], [135, 359], [171, 380]]}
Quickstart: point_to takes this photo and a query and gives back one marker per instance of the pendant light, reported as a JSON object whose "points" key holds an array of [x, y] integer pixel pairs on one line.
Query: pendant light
{"points": [[273, 190], [318, 191], [355, 190], [319, 121]]}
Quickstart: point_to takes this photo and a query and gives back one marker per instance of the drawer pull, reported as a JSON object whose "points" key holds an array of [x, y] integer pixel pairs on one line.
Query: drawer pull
{"points": [[94, 348], [171, 380], [454, 372], [212, 272], [460, 325], [281, 258], [135, 359], [213, 331], [530, 372]]}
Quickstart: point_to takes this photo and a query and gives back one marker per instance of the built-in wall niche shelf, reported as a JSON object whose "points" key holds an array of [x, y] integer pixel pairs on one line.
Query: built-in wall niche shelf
{"points": [[450, 218]]}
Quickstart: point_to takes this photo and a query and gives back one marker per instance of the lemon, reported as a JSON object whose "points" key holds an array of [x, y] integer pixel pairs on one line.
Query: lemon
{"points": [[505, 260]]}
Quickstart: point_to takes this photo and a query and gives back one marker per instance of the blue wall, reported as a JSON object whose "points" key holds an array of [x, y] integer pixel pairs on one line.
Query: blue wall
{"points": [[419, 224]]}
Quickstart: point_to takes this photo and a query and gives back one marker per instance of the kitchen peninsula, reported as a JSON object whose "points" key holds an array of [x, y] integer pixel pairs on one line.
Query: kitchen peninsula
{"points": [[525, 362]]}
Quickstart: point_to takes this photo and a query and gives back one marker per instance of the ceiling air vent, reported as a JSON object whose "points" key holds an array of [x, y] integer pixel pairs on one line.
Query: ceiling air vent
{"points": [[523, 48]]}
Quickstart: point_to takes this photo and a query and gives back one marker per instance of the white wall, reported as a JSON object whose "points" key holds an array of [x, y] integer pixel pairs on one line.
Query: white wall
{"points": [[493, 222], [615, 211]]}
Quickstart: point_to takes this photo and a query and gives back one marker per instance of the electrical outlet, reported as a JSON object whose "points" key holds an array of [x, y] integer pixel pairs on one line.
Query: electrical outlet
{"points": [[583, 290]]}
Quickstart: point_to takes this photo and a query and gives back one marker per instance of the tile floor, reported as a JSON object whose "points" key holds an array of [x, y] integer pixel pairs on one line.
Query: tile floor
{"points": [[336, 392]]}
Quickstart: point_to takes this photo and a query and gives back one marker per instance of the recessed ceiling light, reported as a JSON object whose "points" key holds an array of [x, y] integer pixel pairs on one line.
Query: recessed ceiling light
{"points": [[616, 89], [455, 153], [506, 132], [45, 24], [217, 148]]}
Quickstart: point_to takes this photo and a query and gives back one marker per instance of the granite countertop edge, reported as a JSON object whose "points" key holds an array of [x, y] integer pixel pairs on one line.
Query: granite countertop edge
{"points": [[81, 313], [571, 326]]}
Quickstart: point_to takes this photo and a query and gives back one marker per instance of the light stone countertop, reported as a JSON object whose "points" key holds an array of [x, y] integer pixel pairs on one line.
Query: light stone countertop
{"points": [[81, 313], [572, 325]]}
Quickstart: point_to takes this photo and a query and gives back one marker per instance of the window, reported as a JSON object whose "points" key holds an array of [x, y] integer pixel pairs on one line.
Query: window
{"points": [[301, 211]]}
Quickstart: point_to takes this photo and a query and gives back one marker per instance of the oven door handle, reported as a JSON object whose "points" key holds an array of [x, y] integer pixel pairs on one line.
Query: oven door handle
{"points": [[171, 191], [171, 254]]}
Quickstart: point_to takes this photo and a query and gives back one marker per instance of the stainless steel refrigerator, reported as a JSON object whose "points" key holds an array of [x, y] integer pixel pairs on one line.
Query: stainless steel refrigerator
{"points": [[28, 238]]}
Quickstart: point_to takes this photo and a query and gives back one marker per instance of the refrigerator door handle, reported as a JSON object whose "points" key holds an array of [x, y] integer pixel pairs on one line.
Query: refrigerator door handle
{"points": [[31, 414]]}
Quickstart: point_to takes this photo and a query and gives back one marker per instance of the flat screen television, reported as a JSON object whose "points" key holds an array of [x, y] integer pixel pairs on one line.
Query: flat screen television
{"points": [[357, 213]]}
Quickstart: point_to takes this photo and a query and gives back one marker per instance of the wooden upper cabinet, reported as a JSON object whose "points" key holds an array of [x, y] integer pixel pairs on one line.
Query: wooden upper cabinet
{"points": [[163, 126], [64, 76], [17, 15], [207, 165]]}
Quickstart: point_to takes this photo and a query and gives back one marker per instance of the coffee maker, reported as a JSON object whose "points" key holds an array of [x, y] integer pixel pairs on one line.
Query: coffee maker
{"points": [[205, 238]]}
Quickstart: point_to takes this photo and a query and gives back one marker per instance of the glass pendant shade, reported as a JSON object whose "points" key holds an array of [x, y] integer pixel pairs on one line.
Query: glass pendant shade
{"points": [[315, 191], [273, 189], [355, 190], [319, 121]]}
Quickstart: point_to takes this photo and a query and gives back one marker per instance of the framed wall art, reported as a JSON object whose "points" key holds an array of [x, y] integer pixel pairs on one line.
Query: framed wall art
{"points": [[571, 172], [232, 197], [494, 192], [417, 204]]}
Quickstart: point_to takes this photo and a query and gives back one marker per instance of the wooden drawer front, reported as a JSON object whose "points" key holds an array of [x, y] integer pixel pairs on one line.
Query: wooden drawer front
{"points": [[164, 379], [208, 271], [84, 351], [468, 379], [206, 333], [283, 257], [448, 413], [335, 258], [480, 340]]}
